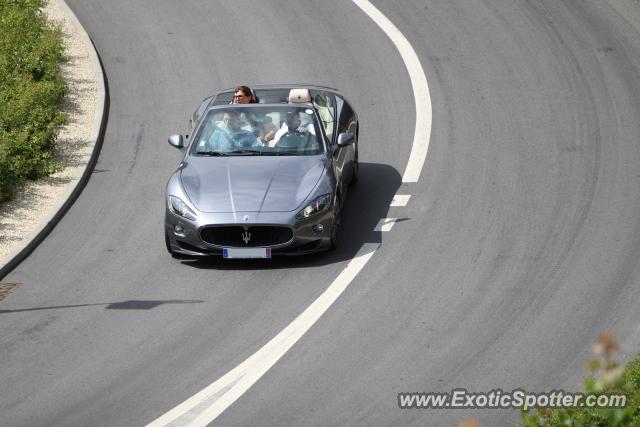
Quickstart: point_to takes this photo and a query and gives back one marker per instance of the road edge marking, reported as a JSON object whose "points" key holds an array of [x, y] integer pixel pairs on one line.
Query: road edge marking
{"points": [[424, 111]]}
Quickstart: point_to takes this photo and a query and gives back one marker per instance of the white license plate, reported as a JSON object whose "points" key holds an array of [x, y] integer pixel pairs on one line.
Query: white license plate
{"points": [[246, 253]]}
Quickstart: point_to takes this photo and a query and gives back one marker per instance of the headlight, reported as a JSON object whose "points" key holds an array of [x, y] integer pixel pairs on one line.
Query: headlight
{"points": [[179, 207], [318, 205]]}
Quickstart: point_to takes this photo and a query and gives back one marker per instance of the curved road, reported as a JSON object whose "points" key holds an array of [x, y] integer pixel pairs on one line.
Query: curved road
{"points": [[518, 247]]}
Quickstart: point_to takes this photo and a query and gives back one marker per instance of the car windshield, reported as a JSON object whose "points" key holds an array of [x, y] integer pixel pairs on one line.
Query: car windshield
{"points": [[286, 130]]}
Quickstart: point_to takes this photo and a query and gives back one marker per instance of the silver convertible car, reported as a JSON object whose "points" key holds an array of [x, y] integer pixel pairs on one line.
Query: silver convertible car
{"points": [[265, 178]]}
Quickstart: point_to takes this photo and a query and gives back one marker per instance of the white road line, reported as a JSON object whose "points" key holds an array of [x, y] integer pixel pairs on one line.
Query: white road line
{"points": [[400, 200], [420, 87], [385, 224], [206, 405]]}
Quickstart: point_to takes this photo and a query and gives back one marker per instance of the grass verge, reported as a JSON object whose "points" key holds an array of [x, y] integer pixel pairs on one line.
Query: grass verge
{"points": [[31, 88]]}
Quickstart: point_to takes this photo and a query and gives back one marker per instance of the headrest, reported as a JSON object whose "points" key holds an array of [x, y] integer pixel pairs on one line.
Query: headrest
{"points": [[297, 96]]}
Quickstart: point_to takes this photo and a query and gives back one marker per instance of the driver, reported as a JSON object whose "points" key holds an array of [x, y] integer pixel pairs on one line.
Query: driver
{"points": [[291, 127], [231, 136]]}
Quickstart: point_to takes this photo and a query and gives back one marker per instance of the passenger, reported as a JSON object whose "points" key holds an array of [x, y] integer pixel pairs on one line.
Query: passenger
{"points": [[243, 95], [231, 136], [262, 126]]}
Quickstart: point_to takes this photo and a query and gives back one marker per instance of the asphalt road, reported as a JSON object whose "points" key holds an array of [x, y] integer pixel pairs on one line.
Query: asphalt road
{"points": [[518, 247]]}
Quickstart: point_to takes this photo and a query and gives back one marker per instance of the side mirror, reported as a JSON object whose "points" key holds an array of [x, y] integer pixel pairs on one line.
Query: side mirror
{"points": [[345, 139], [177, 141]]}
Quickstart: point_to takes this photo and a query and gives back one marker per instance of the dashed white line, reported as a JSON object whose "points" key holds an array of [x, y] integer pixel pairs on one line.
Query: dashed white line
{"points": [[400, 200], [385, 224]]}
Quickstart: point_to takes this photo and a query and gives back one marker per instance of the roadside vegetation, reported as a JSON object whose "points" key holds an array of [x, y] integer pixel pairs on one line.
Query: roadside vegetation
{"points": [[31, 89], [606, 377]]}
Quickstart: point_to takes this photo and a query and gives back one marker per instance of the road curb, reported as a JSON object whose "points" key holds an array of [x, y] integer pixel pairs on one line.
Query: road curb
{"points": [[90, 155]]}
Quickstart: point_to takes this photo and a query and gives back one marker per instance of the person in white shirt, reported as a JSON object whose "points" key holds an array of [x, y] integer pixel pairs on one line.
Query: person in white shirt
{"points": [[292, 121]]}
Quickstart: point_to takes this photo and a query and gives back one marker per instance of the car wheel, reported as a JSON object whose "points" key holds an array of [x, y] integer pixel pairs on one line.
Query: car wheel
{"points": [[356, 172], [335, 225]]}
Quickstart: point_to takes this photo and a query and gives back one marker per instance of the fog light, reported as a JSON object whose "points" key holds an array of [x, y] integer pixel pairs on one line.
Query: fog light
{"points": [[178, 229], [318, 228]]}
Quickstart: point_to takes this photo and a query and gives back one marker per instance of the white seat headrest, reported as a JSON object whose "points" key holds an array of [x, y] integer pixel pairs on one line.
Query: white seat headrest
{"points": [[297, 96]]}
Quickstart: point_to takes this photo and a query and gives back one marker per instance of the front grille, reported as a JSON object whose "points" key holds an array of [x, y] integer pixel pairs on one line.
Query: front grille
{"points": [[254, 236]]}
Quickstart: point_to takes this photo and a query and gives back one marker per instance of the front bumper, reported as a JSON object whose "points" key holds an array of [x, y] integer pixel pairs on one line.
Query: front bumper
{"points": [[188, 241]]}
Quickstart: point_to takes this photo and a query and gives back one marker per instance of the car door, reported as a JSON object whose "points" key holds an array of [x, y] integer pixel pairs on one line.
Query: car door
{"points": [[347, 122], [325, 104]]}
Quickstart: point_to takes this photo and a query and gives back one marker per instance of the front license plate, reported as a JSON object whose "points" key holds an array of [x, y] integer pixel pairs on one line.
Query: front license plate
{"points": [[246, 253]]}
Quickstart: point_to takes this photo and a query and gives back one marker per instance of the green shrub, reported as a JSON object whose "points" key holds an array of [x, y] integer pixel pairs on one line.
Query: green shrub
{"points": [[607, 377], [31, 89]]}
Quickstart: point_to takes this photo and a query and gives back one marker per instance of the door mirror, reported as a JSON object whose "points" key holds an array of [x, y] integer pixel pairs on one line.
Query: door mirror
{"points": [[177, 141], [344, 139]]}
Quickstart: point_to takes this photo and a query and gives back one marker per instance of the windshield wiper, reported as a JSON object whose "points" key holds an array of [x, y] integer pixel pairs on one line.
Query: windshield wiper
{"points": [[245, 151], [283, 153], [287, 153], [211, 153]]}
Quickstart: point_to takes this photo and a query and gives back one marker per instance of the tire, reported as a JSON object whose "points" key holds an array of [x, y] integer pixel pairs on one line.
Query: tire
{"points": [[355, 177], [356, 172], [335, 225]]}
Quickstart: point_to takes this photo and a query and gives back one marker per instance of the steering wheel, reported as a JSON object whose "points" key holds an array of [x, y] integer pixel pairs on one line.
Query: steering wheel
{"points": [[294, 139]]}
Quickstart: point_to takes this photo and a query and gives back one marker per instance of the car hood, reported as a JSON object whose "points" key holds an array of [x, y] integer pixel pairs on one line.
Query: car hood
{"points": [[250, 183]]}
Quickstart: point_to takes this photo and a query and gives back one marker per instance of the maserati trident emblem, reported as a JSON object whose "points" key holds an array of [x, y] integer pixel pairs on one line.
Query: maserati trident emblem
{"points": [[246, 237]]}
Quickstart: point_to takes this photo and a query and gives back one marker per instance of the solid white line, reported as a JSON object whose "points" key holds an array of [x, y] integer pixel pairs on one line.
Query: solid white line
{"points": [[400, 200], [420, 87], [218, 396], [385, 224]]}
